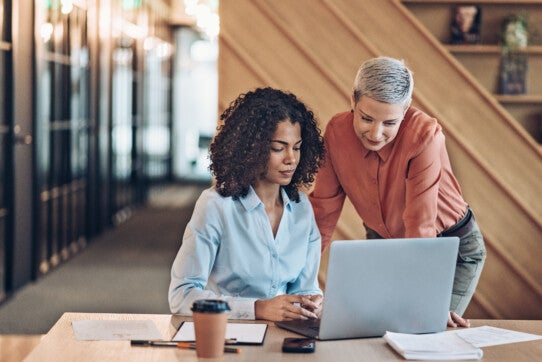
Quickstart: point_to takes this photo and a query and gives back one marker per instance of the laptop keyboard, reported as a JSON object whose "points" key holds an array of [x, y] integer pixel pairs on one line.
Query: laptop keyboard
{"points": [[309, 327]]}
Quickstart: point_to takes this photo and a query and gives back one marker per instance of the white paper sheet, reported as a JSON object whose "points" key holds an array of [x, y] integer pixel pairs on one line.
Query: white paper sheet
{"points": [[435, 346], [115, 330], [491, 336], [244, 333]]}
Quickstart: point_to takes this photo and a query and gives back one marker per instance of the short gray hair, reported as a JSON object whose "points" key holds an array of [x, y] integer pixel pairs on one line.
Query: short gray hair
{"points": [[384, 79]]}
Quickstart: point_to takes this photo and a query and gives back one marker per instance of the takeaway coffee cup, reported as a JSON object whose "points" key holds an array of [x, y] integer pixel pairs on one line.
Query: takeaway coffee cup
{"points": [[210, 319]]}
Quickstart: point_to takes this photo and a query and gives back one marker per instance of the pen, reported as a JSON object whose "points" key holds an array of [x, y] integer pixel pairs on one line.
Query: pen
{"points": [[183, 345], [144, 342]]}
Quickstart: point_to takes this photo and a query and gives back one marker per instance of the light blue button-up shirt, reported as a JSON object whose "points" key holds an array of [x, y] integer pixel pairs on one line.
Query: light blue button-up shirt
{"points": [[229, 252]]}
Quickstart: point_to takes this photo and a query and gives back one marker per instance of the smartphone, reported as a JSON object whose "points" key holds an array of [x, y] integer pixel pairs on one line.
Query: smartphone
{"points": [[298, 345]]}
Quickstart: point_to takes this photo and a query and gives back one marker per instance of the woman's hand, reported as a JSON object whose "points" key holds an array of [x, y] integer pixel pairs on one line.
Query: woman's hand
{"points": [[454, 320], [313, 303], [288, 307]]}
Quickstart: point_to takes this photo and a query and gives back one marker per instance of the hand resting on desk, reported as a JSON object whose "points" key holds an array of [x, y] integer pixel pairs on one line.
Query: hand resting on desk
{"points": [[288, 307], [454, 320]]}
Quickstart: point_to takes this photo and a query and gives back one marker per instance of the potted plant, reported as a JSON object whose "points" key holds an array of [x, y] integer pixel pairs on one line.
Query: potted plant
{"points": [[515, 33]]}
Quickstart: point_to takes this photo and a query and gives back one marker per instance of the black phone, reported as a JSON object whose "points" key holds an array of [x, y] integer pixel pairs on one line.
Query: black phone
{"points": [[298, 345]]}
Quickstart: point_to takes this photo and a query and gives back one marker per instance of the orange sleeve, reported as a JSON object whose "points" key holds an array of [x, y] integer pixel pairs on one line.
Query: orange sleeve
{"points": [[422, 187], [327, 198]]}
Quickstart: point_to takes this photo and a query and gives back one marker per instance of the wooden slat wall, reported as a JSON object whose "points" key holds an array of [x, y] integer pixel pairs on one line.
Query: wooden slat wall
{"points": [[313, 49]]}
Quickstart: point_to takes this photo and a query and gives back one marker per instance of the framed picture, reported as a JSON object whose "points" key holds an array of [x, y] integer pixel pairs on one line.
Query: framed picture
{"points": [[465, 26]]}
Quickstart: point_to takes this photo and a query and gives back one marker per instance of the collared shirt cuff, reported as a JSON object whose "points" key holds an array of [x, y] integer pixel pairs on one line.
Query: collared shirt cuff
{"points": [[242, 308]]}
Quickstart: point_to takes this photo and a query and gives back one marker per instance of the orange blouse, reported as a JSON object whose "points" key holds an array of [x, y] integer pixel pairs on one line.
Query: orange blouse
{"points": [[406, 189]]}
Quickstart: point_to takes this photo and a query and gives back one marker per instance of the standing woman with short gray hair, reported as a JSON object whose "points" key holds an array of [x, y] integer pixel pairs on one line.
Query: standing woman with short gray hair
{"points": [[390, 159]]}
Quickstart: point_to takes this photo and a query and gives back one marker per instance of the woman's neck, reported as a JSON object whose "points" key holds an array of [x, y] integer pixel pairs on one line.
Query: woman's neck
{"points": [[269, 194], [272, 201]]}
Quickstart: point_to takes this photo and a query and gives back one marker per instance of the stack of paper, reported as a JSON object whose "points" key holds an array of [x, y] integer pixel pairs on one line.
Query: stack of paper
{"points": [[438, 346]]}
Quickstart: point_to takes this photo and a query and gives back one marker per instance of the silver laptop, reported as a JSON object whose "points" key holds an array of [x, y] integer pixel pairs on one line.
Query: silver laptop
{"points": [[374, 286]]}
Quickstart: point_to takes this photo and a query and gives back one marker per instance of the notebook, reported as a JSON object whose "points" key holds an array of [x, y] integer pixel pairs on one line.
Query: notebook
{"points": [[374, 286]]}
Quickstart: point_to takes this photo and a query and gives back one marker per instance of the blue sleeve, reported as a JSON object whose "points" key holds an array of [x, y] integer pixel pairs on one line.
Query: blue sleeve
{"points": [[195, 260]]}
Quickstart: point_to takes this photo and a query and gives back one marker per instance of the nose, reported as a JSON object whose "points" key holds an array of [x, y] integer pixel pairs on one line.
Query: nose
{"points": [[376, 131], [289, 158]]}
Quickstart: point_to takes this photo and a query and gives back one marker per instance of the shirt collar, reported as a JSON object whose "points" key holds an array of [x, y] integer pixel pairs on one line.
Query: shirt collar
{"points": [[383, 153], [252, 200]]}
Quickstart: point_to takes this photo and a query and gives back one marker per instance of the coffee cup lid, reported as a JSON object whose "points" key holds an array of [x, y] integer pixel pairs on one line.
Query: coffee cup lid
{"points": [[210, 306]]}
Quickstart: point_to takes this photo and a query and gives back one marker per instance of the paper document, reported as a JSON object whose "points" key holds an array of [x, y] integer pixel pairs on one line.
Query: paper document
{"points": [[491, 336], [115, 330], [243, 333], [437, 346]]}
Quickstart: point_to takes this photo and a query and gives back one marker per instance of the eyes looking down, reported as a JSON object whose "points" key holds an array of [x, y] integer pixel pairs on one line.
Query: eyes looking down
{"points": [[376, 123], [284, 153]]}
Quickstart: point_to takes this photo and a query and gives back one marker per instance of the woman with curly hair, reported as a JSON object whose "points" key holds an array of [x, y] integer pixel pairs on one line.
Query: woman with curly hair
{"points": [[252, 239]]}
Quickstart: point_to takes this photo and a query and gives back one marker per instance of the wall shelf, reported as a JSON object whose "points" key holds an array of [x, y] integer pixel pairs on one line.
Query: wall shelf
{"points": [[492, 2], [484, 60], [519, 98], [490, 49]]}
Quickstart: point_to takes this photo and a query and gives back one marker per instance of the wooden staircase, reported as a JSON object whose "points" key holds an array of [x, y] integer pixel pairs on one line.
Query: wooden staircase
{"points": [[313, 48]]}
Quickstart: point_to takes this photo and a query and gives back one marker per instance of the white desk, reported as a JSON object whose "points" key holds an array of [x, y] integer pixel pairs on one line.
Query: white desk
{"points": [[60, 344]]}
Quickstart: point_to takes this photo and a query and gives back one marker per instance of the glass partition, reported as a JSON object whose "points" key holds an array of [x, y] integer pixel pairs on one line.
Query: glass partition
{"points": [[129, 29], [61, 128], [141, 106], [195, 104], [157, 110]]}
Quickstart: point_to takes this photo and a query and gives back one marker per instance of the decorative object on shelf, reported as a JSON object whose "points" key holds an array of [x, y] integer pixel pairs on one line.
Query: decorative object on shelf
{"points": [[465, 27], [515, 33], [513, 73], [514, 39]]}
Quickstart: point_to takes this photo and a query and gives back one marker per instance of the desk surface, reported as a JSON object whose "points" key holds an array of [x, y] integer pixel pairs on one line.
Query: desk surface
{"points": [[60, 344]]}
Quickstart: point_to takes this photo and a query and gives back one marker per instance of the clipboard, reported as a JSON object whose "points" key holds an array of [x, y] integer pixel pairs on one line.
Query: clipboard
{"points": [[236, 333]]}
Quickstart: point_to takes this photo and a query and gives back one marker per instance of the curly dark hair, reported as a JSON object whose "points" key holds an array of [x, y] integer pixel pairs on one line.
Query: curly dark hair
{"points": [[240, 151]]}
